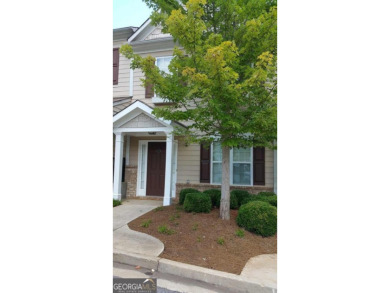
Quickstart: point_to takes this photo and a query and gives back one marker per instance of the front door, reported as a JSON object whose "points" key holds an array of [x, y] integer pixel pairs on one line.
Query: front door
{"points": [[156, 168]]}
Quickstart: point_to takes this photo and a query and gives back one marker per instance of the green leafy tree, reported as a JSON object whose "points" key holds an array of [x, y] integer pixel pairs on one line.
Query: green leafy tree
{"points": [[222, 79]]}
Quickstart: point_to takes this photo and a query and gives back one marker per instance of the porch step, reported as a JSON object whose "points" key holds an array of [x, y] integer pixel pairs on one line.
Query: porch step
{"points": [[147, 197]]}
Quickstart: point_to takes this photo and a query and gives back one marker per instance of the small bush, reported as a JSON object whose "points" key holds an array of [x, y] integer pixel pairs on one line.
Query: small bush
{"points": [[184, 192], [221, 241], [215, 195], [241, 195], [258, 217], [165, 230], [146, 223], [117, 203], [240, 233], [271, 199], [197, 203]]}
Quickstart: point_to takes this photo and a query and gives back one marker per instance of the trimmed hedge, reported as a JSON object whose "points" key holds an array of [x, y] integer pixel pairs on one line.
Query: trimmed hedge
{"points": [[184, 192], [234, 201], [241, 195], [258, 217], [215, 195], [271, 199], [197, 202]]}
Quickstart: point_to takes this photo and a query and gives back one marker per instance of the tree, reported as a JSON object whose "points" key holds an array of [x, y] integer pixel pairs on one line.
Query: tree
{"points": [[222, 79]]}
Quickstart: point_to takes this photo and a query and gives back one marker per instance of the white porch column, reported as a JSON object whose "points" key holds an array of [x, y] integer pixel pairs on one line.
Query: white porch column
{"points": [[168, 170], [128, 150], [118, 166]]}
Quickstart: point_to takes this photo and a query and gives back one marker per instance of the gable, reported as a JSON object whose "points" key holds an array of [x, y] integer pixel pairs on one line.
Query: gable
{"points": [[157, 34], [142, 121]]}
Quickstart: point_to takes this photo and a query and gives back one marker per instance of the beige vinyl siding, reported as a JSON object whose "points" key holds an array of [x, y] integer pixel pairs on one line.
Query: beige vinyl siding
{"points": [[188, 163], [269, 168], [122, 89]]}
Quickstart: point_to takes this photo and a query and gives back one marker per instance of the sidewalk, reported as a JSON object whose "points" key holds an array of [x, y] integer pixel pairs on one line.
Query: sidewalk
{"points": [[139, 249]]}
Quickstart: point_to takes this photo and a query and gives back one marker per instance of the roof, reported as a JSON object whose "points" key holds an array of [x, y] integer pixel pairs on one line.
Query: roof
{"points": [[123, 33], [120, 104]]}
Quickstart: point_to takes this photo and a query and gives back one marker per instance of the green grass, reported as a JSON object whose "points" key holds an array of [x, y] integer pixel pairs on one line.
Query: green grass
{"points": [[117, 202], [195, 227], [158, 209], [146, 223], [165, 230], [174, 217], [240, 233], [221, 241]]}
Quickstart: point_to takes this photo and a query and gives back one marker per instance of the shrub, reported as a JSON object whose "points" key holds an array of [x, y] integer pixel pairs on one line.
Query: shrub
{"points": [[197, 202], [146, 223], [184, 192], [117, 202], [233, 201], [258, 217], [221, 241], [165, 230], [240, 233], [271, 199], [215, 195], [241, 195]]}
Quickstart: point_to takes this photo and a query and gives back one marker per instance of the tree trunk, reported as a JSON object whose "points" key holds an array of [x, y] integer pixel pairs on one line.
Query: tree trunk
{"points": [[224, 211]]}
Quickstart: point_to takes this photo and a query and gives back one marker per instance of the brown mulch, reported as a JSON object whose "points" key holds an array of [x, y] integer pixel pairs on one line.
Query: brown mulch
{"points": [[195, 239]]}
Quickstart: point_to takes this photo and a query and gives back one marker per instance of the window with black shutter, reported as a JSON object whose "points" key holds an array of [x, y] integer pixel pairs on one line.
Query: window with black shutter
{"points": [[258, 166]]}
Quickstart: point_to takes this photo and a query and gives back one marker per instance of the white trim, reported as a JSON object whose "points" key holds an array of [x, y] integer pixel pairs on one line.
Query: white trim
{"points": [[148, 129], [168, 169], [117, 188], [139, 30]]}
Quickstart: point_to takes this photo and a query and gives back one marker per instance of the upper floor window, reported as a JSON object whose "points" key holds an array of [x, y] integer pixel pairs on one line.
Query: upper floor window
{"points": [[115, 65], [162, 63]]}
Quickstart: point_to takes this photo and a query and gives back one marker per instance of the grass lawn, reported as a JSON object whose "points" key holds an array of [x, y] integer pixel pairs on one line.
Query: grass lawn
{"points": [[203, 239]]}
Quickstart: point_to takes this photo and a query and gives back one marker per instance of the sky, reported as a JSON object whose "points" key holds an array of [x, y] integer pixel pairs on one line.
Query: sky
{"points": [[129, 13]]}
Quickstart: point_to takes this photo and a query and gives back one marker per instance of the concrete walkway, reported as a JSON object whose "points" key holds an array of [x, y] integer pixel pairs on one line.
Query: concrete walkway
{"points": [[126, 240], [261, 267]]}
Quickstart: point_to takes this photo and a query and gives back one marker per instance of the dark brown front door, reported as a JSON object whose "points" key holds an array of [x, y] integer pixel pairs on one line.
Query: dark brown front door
{"points": [[156, 168]]}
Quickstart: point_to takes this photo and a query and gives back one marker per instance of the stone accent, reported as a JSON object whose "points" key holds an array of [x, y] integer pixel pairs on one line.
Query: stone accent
{"points": [[204, 186], [142, 121], [131, 180]]}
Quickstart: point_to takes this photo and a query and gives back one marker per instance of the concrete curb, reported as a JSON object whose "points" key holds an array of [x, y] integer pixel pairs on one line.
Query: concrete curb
{"points": [[145, 261], [222, 279]]}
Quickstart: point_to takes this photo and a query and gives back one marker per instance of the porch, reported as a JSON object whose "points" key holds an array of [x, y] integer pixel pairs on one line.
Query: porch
{"points": [[150, 153]]}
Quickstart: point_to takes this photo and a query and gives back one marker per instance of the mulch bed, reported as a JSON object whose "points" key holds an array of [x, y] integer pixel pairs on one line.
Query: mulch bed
{"points": [[195, 238]]}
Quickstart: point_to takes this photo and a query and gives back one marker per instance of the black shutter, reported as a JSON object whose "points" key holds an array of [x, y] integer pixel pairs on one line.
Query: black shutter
{"points": [[204, 164], [258, 166], [115, 65]]}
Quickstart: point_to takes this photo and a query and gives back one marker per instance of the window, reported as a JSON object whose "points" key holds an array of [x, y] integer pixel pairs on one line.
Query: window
{"points": [[241, 165], [162, 63]]}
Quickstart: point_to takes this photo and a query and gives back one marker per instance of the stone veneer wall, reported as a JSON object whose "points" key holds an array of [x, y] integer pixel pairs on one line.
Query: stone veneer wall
{"points": [[204, 186], [131, 180]]}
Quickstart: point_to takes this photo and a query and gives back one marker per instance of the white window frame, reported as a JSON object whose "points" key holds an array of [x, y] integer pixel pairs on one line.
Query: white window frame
{"points": [[230, 167], [155, 98]]}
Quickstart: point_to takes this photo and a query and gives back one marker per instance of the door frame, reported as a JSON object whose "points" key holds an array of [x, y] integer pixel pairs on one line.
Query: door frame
{"points": [[142, 191]]}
